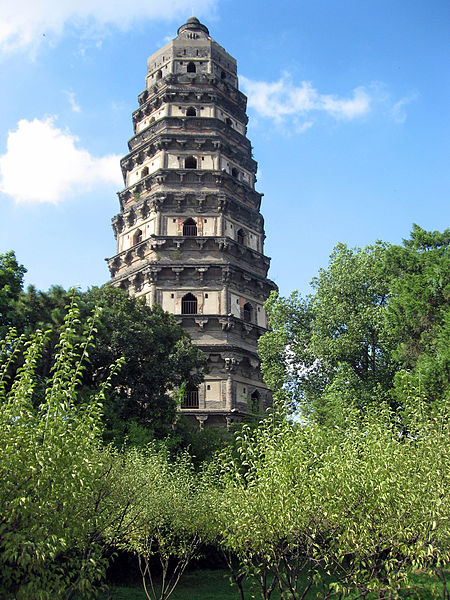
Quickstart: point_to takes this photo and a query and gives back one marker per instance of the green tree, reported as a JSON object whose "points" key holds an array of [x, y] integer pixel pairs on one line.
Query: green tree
{"points": [[417, 319], [58, 485], [376, 316], [339, 326], [11, 280], [158, 357], [172, 522], [353, 508]]}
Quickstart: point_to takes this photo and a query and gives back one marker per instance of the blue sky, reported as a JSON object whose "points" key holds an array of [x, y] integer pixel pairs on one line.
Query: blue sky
{"points": [[348, 107]]}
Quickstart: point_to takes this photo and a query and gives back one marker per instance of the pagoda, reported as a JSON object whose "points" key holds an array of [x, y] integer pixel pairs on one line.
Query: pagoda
{"points": [[189, 233]]}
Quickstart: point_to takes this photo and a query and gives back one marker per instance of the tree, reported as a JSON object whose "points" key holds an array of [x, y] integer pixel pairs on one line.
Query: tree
{"points": [[172, 522], [376, 315], [58, 485], [339, 326], [11, 280], [158, 357], [351, 509], [417, 319]]}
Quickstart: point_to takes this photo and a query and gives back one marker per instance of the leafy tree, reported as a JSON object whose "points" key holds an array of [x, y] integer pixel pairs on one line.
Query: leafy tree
{"points": [[376, 314], [11, 280], [349, 509], [58, 485], [158, 357], [417, 319], [341, 324], [172, 522]]}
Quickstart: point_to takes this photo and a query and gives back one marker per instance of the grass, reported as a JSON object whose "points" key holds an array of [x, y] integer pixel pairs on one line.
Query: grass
{"points": [[215, 585]]}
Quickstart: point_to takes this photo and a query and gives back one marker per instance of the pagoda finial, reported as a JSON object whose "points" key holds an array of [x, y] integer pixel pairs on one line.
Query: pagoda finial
{"points": [[193, 24]]}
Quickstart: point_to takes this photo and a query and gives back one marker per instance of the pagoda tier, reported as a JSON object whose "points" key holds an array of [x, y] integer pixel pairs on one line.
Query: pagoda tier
{"points": [[189, 232]]}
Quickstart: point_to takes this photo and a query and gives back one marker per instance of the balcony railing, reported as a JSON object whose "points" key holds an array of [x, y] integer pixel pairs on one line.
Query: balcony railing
{"points": [[190, 399]]}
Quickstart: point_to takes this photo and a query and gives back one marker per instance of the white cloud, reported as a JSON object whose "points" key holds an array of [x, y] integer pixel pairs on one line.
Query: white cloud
{"points": [[398, 111], [73, 103], [26, 23], [43, 164], [282, 98]]}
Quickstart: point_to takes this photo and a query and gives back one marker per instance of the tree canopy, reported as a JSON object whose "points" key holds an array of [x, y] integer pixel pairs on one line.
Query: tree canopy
{"points": [[11, 281], [376, 316], [158, 356]]}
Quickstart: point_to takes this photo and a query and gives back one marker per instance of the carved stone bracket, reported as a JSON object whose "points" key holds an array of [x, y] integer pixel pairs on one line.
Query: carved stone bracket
{"points": [[178, 242], [231, 360], [201, 420], [223, 243], [201, 242], [155, 243], [177, 271], [227, 323], [222, 204], [143, 210], [152, 274], [226, 274], [137, 282], [201, 272], [254, 363], [201, 322], [130, 218]]}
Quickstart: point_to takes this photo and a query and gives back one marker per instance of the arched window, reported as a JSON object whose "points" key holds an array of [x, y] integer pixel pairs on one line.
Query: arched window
{"points": [[190, 162], [189, 305], [255, 406], [240, 237], [137, 237], [248, 312], [190, 227], [191, 112], [191, 68], [234, 172], [223, 75], [228, 121], [144, 172], [190, 399], [159, 74]]}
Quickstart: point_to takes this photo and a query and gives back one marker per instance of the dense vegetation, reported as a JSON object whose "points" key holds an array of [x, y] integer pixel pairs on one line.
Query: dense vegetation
{"points": [[347, 499]]}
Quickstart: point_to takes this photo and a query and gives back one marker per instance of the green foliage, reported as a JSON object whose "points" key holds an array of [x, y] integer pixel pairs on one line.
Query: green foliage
{"points": [[377, 315], [53, 472], [171, 523], [357, 502], [158, 357], [11, 279], [201, 444], [417, 319], [341, 324]]}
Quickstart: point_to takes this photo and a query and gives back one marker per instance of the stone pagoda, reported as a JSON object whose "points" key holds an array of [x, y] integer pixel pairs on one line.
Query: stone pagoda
{"points": [[189, 232]]}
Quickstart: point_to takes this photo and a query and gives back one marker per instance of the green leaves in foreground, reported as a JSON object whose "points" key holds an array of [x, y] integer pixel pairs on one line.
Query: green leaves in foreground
{"points": [[352, 508], [52, 468]]}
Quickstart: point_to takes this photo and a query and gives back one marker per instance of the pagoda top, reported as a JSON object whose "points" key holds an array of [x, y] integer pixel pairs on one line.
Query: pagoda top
{"points": [[193, 24]]}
